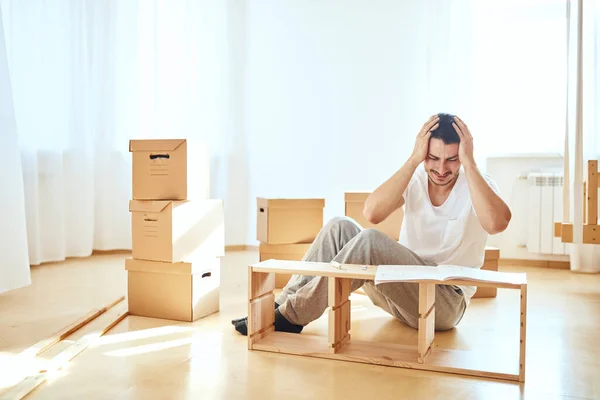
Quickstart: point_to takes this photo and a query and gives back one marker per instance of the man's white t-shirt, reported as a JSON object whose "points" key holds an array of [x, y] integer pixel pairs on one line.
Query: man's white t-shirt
{"points": [[449, 234]]}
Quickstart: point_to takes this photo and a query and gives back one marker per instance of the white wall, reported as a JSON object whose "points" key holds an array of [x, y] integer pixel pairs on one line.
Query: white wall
{"points": [[505, 170], [14, 265], [333, 97]]}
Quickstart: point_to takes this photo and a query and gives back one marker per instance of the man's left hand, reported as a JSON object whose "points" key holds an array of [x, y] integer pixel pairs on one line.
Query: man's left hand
{"points": [[465, 148]]}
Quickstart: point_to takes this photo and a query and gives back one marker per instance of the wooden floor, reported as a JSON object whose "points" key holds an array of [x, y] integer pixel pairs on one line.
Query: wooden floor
{"points": [[144, 358]]}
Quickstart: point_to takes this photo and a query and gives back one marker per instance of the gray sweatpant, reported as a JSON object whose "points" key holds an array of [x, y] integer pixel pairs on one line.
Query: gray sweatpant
{"points": [[305, 298]]}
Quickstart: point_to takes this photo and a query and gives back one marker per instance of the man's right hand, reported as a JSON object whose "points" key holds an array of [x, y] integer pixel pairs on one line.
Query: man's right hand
{"points": [[422, 143]]}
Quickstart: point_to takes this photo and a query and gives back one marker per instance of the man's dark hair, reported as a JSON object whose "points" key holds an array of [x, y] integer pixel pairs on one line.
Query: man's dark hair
{"points": [[445, 130]]}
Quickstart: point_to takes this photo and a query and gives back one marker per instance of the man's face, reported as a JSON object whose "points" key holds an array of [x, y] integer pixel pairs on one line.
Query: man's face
{"points": [[442, 164]]}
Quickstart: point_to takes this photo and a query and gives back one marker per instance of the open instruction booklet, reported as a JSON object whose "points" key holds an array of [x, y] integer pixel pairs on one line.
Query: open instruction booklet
{"points": [[407, 273]]}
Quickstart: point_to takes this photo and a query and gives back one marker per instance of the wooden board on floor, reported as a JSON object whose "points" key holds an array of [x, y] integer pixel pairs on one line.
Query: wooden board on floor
{"points": [[394, 355], [30, 383], [45, 344]]}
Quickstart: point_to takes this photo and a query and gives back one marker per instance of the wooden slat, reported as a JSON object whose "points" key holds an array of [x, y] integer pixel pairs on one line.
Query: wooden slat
{"points": [[591, 234], [43, 345], [426, 335], [523, 333], [59, 361], [426, 328], [260, 284], [339, 291], [592, 193], [426, 298], [315, 269], [339, 324], [261, 314], [465, 362]]}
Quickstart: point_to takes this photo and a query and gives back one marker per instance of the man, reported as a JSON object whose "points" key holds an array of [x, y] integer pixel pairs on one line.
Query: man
{"points": [[450, 209]]}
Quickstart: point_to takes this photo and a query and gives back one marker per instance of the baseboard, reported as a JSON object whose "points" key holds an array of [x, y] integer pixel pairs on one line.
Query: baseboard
{"points": [[241, 247], [535, 263], [109, 252]]}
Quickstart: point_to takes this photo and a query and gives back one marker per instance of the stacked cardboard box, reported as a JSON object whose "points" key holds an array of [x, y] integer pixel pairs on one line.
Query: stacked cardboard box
{"points": [[286, 228], [177, 233], [354, 205], [490, 263]]}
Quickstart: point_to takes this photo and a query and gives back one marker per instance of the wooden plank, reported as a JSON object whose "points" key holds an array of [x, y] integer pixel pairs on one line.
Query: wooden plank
{"points": [[59, 361], [45, 344], [261, 314], [259, 335], [464, 362], [426, 334], [426, 327], [591, 234], [558, 229], [339, 325], [339, 312], [260, 283], [426, 298], [491, 278], [523, 333], [339, 291], [592, 193]]}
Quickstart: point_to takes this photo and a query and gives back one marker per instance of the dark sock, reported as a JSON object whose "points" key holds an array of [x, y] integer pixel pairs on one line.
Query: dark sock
{"points": [[281, 325], [237, 320]]}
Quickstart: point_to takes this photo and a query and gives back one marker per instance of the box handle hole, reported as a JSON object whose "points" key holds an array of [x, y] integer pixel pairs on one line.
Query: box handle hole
{"points": [[155, 156], [206, 275], [262, 210]]}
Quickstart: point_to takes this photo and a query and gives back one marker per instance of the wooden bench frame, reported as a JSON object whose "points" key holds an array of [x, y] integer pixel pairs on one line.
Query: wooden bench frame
{"points": [[262, 335], [591, 229]]}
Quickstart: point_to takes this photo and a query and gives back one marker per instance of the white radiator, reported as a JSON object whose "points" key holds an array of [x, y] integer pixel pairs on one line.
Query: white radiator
{"points": [[544, 192]]}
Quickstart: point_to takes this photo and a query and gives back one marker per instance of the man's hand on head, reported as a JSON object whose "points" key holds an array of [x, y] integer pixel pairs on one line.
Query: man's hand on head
{"points": [[465, 148], [422, 143]]}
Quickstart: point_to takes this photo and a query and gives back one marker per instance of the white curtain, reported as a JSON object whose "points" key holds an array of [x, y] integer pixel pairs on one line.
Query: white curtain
{"points": [[500, 65], [14, 262], [582, 134], [88, 76]]}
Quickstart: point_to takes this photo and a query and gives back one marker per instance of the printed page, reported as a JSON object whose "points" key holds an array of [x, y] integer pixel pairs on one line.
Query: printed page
{"points": [[407, 273]]}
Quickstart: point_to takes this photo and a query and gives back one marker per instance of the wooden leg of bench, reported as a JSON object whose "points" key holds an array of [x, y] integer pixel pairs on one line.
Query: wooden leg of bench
{"points": [[523, 333], [592, 193], [261, 305], [339, 313], [426, 320]]}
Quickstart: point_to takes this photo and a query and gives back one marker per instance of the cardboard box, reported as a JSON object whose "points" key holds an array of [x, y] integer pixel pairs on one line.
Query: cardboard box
{"points": [[177, 231], [492, 254], [288, 221], [355, 203], [177, 291], [293, 252], [160, 170]]}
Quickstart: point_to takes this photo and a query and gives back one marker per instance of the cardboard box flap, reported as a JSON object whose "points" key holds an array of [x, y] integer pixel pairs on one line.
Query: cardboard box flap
{"points": [[148, 205], [291, 203], [155, 144], [356, 197]]}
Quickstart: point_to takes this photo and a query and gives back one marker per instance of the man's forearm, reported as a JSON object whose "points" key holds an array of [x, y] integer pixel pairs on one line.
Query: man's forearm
{"points": [[493, 213], [388, 196]]}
